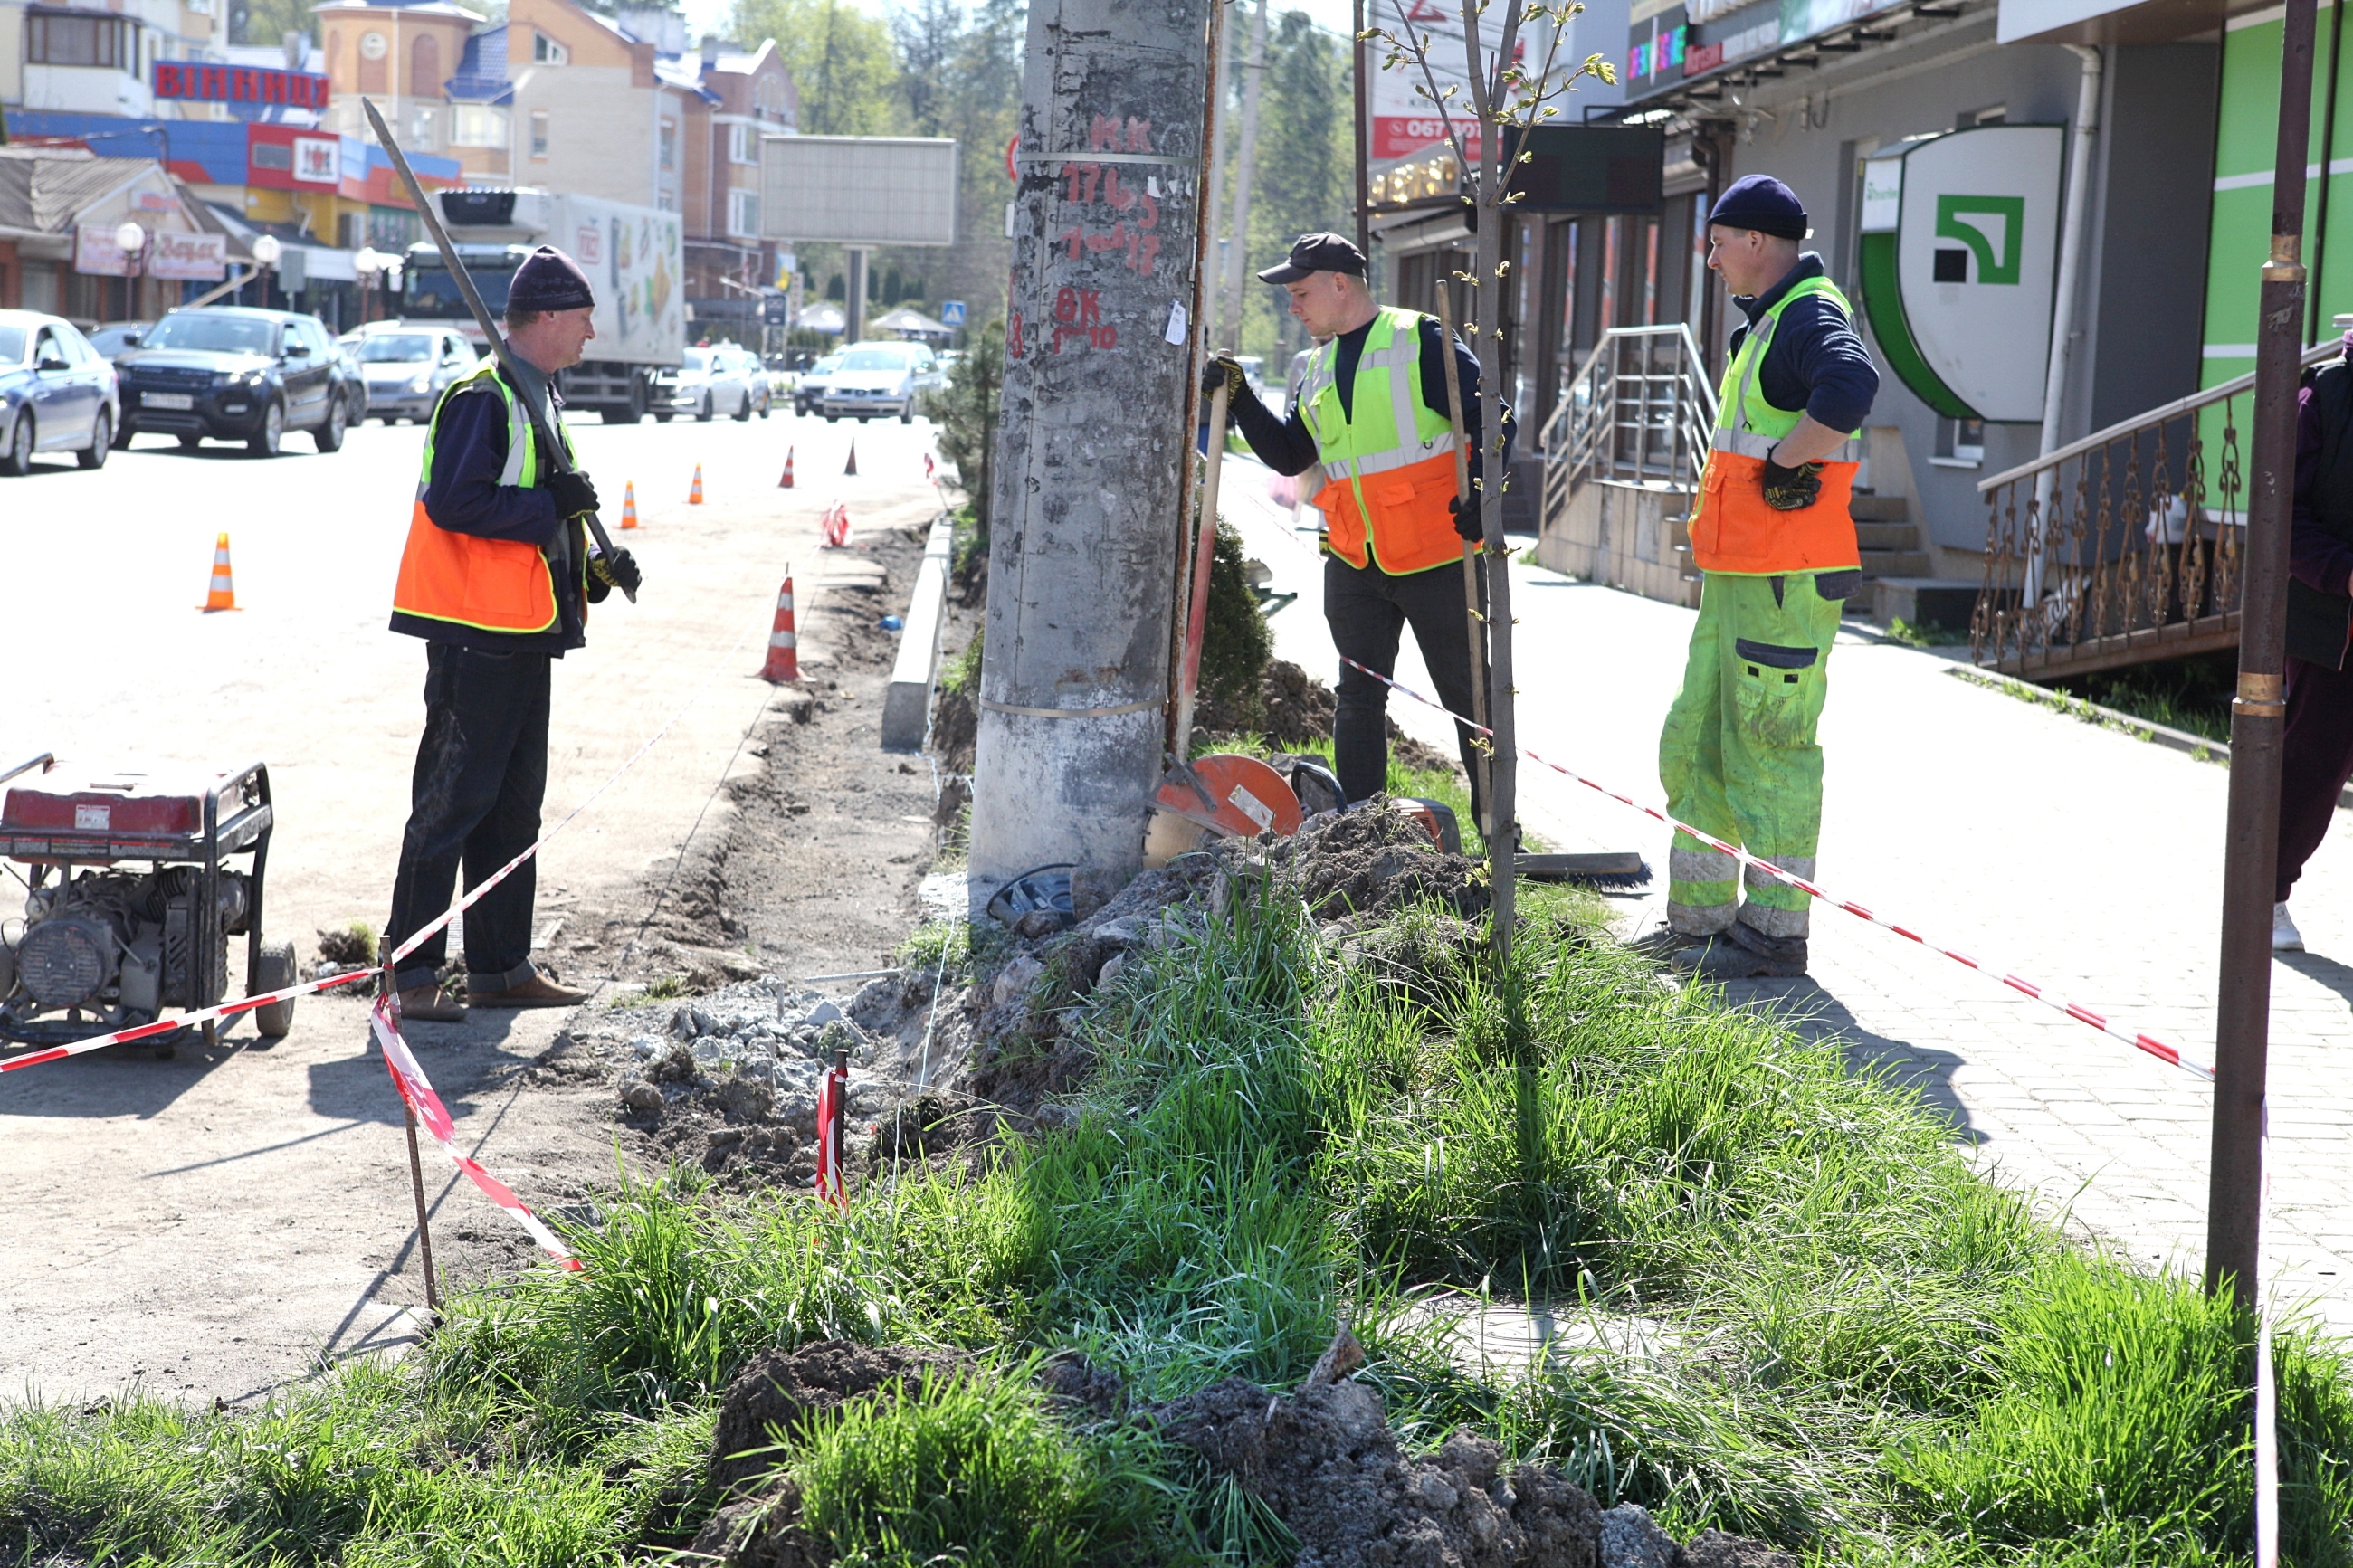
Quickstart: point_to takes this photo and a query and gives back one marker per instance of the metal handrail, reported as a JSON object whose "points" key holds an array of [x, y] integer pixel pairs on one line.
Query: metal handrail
{"points": [[1610, 404], [2154, 416]]}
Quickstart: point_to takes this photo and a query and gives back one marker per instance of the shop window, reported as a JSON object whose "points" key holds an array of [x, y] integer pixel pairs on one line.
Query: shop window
{"points": [[1960, 443]]}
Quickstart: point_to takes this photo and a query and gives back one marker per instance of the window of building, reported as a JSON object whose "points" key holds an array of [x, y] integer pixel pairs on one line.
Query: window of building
{"points": [[771, 99], [546, 51], [539, 133], [477, 125], [743, 144], [425, 67], [670, 143], [101, 40], [1960, 443], [422, 127], [743, 212]]}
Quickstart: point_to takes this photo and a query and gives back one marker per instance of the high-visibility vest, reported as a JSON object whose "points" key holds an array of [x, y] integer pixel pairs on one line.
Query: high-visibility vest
{"points": [[490, 585], [1734, 530], [1388, 463]]}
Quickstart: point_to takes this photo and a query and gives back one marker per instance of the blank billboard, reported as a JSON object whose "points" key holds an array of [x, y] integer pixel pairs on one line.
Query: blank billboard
{"points": [[859, 190]]}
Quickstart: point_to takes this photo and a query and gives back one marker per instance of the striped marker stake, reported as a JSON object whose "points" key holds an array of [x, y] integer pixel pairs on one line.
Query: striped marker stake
{"points": [[390, 1007], [223, 594], [783, 643], [832, 1111]]}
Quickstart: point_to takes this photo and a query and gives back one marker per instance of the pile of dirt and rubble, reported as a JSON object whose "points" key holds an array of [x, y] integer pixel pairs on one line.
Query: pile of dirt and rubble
{"points": [[1324, 1459], [1295, 710]]}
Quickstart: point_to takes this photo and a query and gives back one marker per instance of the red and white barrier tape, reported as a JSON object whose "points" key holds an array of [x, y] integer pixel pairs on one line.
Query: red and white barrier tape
{"points": [[167, 1026], [2075, 1010], [416, 1091]]}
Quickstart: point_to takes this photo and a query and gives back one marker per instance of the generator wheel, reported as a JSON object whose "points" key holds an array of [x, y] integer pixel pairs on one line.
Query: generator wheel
{"points": [[275, 970]]}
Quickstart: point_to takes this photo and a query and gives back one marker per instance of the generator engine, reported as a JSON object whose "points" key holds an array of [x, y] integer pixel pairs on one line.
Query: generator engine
{"points": [[120, 946], [130, 903]]}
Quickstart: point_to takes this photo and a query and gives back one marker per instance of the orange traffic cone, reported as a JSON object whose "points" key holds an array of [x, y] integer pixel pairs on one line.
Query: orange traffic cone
{"points": [[694, 496], [851, 471], [836, 535], [223, 596], [629, 504], [787, 482], [784, 644]]}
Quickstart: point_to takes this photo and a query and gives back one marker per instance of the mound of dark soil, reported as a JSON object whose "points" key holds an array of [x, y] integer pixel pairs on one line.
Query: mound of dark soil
{"points": [[1374, 861], [782, 1389], [1294, 709], [1326, 1462]]}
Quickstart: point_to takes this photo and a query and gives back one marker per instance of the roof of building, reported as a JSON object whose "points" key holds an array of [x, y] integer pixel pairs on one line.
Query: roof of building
{"points": [[42, 188], [481, 74], [415, 7]]}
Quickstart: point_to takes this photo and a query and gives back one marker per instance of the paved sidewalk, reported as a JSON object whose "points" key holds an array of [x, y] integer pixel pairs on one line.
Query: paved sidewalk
{"points": [[2080, 858]]}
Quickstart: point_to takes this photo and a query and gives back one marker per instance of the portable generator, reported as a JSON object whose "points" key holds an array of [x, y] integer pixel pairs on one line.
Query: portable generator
{"points": [[130, 903]]}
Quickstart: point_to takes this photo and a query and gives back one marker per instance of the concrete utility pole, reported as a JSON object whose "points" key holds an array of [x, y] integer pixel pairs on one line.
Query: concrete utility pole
{"points": [[1088, 510], [2259, 712], [1245, 167]]}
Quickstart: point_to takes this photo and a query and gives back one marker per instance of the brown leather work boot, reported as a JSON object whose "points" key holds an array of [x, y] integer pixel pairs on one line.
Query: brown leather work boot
{"points": [[538, 991], [430, 1004]]}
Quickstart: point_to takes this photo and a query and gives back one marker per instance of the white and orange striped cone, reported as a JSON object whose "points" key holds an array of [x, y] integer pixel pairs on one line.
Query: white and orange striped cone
{"points": [[837, 528], [787, 482], [694, 496], [223, 596], [629, 504], [850, 472], [784, 644]]}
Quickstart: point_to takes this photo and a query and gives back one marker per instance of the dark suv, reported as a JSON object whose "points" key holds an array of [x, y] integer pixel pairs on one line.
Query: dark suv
{"points": [[238, 375]]}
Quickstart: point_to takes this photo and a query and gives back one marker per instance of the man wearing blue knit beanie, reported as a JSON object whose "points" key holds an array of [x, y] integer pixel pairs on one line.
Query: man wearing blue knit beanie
{"points": [[1775, 543]]}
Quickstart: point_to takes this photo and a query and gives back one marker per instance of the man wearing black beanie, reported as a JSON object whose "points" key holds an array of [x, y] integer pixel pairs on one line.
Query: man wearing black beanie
{"points": [[1775, 542], [497, 577]]}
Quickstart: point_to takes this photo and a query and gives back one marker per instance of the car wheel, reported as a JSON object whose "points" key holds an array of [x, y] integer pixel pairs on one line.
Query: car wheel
{"points": [[864, 418], [906, 416], [702, 415], [833, 418], [122, 434], [329, 436], [102, 442], [744, 412], [661, 418], [265, 441], [190, 443], [17, 457], [764, 408]]}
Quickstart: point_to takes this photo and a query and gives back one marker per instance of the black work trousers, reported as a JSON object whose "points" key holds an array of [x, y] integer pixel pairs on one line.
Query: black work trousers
{"points": [[1367, 608], [2316, 758], [481, 768]]}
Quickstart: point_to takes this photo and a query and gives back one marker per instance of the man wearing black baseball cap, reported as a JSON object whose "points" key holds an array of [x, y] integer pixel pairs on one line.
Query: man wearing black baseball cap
{"points": [[1371, 411], [1775, 542], [497, 577]]}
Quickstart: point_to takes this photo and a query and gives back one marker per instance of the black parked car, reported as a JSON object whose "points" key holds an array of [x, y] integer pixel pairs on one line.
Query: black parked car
{"points": [[237, 374]]}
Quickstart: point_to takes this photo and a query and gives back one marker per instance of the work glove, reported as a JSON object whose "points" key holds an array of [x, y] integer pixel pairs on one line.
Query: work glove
{"points": [[572, 492], [607, 573], [1224, 370], [1791, 490], [1468, 522]]}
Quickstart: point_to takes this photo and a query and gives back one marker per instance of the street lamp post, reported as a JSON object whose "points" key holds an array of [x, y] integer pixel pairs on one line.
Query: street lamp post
{"points": [[370, 262], [267, 250], [132, 240]]}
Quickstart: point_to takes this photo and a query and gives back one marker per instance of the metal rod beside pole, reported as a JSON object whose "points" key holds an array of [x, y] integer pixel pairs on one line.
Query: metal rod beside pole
{"points": [[2259, 711]]}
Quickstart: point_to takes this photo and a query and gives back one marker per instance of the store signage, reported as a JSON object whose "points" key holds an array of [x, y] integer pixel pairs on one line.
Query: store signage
{"points": [[1404, 118], [188, 257], [1960, 247], [239, 84]]}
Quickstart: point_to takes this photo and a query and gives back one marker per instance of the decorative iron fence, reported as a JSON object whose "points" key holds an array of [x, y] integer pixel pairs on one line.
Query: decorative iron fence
{"points": [[2123, 547]]}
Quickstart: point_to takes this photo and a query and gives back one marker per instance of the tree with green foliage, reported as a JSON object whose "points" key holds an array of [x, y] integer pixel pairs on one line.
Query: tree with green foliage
{"points": [[964, 410], [1305, 164], [840, 57]]}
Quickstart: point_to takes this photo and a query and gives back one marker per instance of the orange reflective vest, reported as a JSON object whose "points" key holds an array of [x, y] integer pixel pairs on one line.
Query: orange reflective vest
{"points": [[1388, 460], [490, 585], [1733, 530]]}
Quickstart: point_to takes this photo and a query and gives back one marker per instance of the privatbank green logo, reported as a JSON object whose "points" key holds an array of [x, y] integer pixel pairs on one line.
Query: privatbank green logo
{"points": [[1952, 266]]}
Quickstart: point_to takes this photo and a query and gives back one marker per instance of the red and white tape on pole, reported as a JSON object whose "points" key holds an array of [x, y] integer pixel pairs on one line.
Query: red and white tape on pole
{"points": [[2075, 1010], [416, 1091]]}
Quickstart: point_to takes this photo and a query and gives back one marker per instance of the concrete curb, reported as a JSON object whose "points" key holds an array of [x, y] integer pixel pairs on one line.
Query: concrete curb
{"points": [[906, 708]]}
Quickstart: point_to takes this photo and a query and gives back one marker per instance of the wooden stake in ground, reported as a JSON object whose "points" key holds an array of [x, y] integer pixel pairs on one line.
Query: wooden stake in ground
{"points": [[416, 1166], [1474, 614]]}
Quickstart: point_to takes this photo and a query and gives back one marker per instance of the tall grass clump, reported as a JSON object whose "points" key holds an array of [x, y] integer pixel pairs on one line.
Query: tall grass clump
{"points": [[970, 1469]]}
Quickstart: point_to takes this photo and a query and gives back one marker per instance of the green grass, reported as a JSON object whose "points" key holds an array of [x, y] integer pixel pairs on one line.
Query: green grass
{"points": [[1874, 1355]]}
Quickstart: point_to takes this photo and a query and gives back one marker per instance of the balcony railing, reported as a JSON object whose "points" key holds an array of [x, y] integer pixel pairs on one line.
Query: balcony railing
{"points": [[2125, 547]]}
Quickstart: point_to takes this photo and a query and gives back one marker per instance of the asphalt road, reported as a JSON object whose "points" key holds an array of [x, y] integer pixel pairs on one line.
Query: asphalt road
{"points": [[160, 1210]]}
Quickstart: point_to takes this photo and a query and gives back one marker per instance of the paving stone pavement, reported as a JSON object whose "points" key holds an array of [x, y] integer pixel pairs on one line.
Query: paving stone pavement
{"points": [[2079, 858]]}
